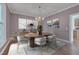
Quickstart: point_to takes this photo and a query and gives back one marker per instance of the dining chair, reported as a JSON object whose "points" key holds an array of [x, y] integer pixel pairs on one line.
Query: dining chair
{"points": [[40, 40], [52, 41], [21, 40], [51, 36]]}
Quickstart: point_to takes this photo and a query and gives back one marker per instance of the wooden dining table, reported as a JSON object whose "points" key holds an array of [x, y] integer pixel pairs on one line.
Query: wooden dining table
{"points": [[32, 37]]}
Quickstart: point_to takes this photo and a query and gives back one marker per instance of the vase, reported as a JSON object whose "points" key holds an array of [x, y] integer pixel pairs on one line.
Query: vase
{"points": [[40, 29]]}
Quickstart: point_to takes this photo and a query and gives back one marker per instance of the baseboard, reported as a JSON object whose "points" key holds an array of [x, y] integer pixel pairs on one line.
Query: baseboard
{"points": [[66, 41], [4, 47]]}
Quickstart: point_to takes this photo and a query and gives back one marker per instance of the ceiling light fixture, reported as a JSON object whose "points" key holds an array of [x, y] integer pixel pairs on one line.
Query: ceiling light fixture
{"points": [[39, 18]]}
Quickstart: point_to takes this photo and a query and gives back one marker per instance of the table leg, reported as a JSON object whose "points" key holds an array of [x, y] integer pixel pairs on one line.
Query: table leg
{"points": [[47, 39], [32, 40]]}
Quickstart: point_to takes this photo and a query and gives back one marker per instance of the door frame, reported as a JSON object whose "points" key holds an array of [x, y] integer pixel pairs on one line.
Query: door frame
{"points": [[71, 26]]}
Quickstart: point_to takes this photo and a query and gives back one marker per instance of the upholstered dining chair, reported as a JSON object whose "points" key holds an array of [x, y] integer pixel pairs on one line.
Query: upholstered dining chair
{"points": [[40, 40], [51, 36], [21, 40], [52, 41]]}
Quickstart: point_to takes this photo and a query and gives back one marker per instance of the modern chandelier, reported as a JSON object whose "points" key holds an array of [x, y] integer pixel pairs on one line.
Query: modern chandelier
{"points": [[39, 18]]}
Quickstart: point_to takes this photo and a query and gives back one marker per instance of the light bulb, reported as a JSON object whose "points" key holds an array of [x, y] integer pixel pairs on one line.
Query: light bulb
{"points": [[42, 18], [39, 17], [36, 18]]}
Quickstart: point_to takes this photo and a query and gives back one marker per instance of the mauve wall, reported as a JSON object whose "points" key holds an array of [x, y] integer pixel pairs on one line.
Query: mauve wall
{"points": [[8, 15], [14, 21], [63, 31]]}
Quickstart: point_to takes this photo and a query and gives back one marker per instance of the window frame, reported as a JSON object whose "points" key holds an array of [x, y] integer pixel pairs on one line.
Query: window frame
{"points": [[32, 21]]}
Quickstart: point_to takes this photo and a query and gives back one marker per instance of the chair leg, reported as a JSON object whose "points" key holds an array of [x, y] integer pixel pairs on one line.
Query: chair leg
{"points": [[55, 41], [17, 47], [27, 49], [41, 50]]}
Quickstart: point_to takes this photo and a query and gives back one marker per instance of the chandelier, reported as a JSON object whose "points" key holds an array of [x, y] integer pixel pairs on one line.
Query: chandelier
{"points": [[39, 18]]}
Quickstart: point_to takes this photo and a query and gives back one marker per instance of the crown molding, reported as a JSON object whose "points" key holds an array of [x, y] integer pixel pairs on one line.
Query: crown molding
{"points": [[63, 10]]}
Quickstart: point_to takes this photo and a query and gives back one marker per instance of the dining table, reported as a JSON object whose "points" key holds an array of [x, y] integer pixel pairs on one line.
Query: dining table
{"points": [[32, 37]]}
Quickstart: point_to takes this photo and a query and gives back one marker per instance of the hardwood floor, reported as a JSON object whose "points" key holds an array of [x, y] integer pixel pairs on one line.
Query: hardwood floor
{"points": [[6, 47], [68, 49]]}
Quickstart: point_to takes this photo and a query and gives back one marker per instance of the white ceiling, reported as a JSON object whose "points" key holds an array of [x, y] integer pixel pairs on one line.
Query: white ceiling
{"points": [[31, 9]]}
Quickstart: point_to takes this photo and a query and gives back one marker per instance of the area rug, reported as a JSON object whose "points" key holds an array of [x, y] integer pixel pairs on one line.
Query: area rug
{"points": [[50, 49]]}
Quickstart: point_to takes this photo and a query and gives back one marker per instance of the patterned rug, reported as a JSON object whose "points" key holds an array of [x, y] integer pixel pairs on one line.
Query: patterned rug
{"points": [[49, 49]]}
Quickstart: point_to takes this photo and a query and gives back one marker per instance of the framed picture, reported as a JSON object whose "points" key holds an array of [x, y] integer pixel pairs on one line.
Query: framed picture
{"points": [[54, 23], [49, 23]]}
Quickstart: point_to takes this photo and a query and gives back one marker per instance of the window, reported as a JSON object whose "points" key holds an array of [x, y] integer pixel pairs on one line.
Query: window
{"points": [[23, 23], [2, 40]]}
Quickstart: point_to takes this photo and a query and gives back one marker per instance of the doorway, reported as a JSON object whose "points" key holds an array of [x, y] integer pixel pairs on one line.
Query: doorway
{"points": [[74, 27]]}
